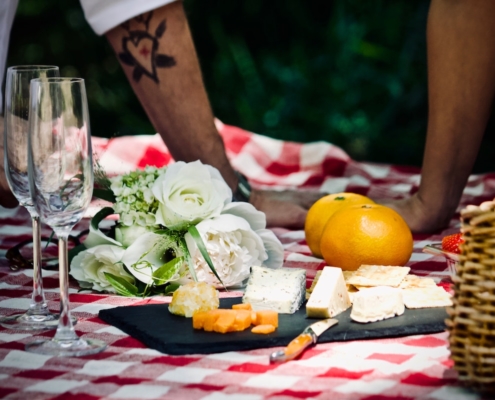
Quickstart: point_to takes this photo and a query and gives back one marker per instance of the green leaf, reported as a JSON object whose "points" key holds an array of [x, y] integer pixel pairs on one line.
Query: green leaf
{"points": [[100, 216], [189, 260], [202, 248], [122, 287], [104, 194], [166, 272], [171, 287], [52, 234]]}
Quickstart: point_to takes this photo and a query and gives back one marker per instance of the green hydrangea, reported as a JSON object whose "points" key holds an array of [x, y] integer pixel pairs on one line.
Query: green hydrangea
{"points": [[135, 201]]}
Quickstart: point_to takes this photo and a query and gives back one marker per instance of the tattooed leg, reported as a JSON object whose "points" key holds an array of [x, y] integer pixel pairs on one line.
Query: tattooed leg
{"points": [[140, 48], [158, 56]]}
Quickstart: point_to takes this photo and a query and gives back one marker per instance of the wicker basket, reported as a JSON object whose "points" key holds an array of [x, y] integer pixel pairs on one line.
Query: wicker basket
{"points": [[471, 320]]}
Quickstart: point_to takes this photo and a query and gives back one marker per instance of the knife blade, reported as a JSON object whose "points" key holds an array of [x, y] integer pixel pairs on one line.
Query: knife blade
{"points": [[308, 337]]}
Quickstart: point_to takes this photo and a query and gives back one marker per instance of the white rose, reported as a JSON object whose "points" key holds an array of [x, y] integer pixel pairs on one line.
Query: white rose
{"points": [[149, 252], [89, 267], [233, 248], [189, 193]]}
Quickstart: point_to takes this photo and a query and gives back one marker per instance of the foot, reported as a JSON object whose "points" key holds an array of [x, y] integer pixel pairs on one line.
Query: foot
{"points": [[420, 217]]}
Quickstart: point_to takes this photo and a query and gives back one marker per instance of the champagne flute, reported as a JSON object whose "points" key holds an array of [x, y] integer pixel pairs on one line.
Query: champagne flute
{"points": [[61, 186], [16, 169]]}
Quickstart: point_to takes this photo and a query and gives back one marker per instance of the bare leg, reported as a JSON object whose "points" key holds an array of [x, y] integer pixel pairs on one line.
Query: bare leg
{"points": [[177, 104], [461, 86]]}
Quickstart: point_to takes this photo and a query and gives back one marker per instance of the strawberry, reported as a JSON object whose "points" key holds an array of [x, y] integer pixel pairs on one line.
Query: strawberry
{"points": [[451, 243]]}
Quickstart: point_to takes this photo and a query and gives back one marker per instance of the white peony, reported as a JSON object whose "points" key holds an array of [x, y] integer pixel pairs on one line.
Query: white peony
{"points": [[233, 248], [189, 193], [89, 266], [273, 247], [257, 221], [148, 253], [255, 218]]}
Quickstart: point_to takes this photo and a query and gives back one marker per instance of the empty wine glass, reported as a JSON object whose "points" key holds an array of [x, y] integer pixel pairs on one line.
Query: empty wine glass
{"points": [[61, 186], [16, 169]]}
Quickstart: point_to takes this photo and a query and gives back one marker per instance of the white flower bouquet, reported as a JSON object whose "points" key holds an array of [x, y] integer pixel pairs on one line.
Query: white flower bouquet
{"points": [[176, 224]]}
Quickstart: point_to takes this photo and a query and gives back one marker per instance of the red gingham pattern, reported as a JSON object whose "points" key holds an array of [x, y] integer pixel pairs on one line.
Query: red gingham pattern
{"points": [[413, 367]]}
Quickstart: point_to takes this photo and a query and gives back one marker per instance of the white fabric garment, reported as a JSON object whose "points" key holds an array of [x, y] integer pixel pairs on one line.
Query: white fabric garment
{"points": [[104, 15], [7, 13]]}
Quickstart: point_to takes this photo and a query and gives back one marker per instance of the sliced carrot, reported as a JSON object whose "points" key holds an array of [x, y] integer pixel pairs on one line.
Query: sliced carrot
{"points": [[198, 319], [266, 317], [210, 319], [242, 320], [242, 306], [225, 321], [263, 329]]}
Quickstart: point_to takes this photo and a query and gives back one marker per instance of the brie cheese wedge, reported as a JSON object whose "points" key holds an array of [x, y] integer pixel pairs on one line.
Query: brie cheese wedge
{"points": [[329, 297]]}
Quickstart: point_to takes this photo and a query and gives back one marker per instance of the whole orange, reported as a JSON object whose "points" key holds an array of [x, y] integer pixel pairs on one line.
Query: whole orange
{"points": [[322, 210], [366, 234]]}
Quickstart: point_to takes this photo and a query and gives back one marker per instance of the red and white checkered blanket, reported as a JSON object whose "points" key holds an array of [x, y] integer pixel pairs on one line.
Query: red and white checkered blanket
{"points": [[408, 368]]}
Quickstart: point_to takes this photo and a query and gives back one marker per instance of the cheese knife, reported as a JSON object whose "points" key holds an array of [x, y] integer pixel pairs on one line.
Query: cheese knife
{"points": [[308, 337]]}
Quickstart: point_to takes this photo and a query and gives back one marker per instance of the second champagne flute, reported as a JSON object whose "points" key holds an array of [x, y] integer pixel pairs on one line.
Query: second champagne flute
{"points": [[61, 186], [16, 170]]}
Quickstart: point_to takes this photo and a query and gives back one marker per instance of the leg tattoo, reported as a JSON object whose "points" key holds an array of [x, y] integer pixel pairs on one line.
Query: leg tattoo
{"points": [[140, 49]]}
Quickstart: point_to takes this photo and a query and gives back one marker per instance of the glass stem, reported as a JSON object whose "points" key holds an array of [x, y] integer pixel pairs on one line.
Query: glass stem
{"points": [[38, 304], [65, 329]]}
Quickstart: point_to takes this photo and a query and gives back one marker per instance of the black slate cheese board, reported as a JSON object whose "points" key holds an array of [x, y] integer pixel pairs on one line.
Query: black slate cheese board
{"points": [[158, 329]]}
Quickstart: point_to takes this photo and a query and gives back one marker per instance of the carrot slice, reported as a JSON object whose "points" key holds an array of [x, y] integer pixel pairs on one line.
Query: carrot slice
{"points": [[266, 317], [225, 321], [242, 306], [210, 319], [263, 329], [199, 319], [242, 320]]}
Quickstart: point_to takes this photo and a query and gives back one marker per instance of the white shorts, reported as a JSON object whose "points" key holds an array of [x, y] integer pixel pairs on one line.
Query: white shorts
{"points": [[104, 15]]}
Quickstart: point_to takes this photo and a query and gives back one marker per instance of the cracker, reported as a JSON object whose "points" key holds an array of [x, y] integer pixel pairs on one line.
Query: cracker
{"points": [[378, 275], [348, 274], [411, 281], [426, 297]]}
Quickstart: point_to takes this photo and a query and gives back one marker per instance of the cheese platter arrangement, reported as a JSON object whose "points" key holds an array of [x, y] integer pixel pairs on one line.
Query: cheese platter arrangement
{"points": [[388, 302]]}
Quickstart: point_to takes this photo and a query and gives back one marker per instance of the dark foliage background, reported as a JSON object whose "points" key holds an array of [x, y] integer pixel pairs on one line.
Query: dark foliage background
{"points": [[349, 72]]}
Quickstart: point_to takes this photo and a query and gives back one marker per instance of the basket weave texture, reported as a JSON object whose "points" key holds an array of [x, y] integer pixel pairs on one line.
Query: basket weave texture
{"points": [[471, 321]]}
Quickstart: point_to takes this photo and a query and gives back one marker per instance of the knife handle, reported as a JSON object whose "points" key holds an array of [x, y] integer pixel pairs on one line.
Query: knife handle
{"points": [[293, 349]]}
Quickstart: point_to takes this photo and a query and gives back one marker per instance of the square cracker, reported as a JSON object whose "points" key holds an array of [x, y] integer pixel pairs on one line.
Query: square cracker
{"points": [[378, 275], [412, 281], [426, 297], [347, 275]]}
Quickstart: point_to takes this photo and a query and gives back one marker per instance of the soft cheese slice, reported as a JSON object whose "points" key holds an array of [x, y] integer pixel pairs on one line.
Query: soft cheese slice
{"points": [[282, 289], [329, 297], [377, 303]]}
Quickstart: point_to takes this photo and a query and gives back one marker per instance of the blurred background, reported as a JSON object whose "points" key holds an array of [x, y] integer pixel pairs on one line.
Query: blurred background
{"points": [[349, 72]]}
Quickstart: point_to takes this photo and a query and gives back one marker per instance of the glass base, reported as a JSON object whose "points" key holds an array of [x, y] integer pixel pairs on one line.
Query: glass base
{"points": [[66, 348], [32, 322]]}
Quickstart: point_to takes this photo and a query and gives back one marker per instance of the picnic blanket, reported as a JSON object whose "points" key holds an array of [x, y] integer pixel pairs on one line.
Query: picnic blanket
{"points": [[408, 368]]}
